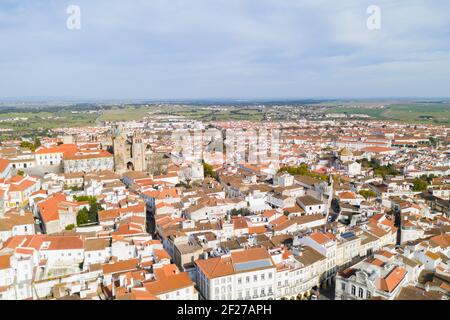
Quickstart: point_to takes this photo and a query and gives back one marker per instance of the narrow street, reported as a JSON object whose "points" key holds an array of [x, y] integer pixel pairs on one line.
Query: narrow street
{"points": [[327, 293], [150, 222]]}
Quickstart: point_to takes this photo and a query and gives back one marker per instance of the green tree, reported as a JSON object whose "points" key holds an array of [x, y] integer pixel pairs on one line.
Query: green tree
{"points": [[37, 143], [20, 173], [243, 212], [31, 145], [368, 194], [70, 227], [82, 217], [299, 170], [381, 171], [434, 141], [27, 145], [94, 207], [303, 170], [208, 170], [428, 178], [93, 212], [91, 199], [419, 185]]}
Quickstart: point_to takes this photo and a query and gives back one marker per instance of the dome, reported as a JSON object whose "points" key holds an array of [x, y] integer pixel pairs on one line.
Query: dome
{"points": [[345, 152]]}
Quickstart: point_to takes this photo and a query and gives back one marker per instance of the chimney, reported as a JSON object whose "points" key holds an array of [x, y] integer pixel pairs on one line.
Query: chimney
{"points": [[297, 251]]}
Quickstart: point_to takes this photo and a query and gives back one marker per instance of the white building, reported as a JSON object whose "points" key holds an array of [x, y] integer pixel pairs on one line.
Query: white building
{"points": [[311, 205], [16, 223], [248, 274], [373, 277]]}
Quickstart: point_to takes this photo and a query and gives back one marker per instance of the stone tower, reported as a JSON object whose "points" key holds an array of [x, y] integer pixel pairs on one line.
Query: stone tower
{"points": [[120, 149], [138, 153], [120, 153], [129, 154]]}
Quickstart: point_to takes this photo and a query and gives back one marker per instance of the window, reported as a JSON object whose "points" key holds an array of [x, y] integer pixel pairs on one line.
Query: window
{"points": [[270, 275], [353, 290], [368, 295], [263, 276], [360, 292], [343, 286], [255, 278], [239, 280], [247, 279]]}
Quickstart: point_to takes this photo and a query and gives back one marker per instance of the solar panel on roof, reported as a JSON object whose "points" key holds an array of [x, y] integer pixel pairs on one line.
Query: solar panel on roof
{"points": [[250, 265], [347, 235]]}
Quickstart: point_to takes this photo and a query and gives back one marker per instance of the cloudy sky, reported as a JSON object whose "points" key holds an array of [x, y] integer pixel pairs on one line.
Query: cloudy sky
{"points": [[180, 49]]}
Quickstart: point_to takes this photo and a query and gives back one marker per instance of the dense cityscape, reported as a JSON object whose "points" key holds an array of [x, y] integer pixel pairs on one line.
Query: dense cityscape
{"points": [[175, 208], [223, 158]]}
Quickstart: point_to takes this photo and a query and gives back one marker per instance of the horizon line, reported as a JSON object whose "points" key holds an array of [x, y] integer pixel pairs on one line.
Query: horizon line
{"points": [[42, 99]]}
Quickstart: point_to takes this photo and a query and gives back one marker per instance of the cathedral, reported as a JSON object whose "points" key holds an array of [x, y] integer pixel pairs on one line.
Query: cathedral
{"points": [[129, 153]]}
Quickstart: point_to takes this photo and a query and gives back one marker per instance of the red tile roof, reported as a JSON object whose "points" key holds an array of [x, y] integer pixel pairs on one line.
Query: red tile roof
{"points": [[42, 242], [3, 164], [392, 280]]}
